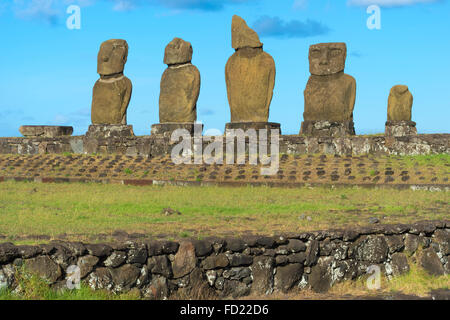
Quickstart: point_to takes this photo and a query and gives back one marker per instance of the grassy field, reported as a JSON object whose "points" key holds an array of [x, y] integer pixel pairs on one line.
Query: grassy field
{"points": [[80, 211]]}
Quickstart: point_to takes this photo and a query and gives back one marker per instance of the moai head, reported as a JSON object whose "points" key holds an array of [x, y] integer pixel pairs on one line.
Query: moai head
{"points": [[242, 36], [327, 58], [112, 57], [178, 51]]}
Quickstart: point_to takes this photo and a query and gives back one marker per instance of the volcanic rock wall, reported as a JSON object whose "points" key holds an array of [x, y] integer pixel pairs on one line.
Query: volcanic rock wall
{"points": [[219, 268]]}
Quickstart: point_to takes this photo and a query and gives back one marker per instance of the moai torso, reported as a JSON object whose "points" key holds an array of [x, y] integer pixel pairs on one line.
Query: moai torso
{"points": [[400, 104], [250, 76], [180, 85], [330, 93], [112, 92]]}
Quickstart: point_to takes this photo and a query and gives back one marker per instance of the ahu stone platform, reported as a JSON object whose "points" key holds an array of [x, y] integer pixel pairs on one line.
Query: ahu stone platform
{"points": [[158, 145]]}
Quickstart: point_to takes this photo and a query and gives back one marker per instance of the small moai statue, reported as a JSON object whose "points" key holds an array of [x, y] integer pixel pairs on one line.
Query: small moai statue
{"points": [[179, 90], [112, 92], [250, 79], [400, 103], [330, 93]]}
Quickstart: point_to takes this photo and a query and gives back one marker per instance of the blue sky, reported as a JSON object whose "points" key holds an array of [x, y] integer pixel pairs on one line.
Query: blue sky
{"points": [[49, 70]]}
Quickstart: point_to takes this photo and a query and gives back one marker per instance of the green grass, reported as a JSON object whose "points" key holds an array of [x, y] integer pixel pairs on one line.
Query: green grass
{"points": [[82, 210]]}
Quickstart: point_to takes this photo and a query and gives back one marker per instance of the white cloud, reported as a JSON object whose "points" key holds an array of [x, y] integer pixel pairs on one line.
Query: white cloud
{"points": [[388, 3]]}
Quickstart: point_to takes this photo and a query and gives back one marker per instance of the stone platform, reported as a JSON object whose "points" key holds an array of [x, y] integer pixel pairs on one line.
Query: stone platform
{"points": [[253, 125]]}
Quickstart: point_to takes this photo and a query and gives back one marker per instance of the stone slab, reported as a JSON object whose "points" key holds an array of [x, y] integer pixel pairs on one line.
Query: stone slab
{"points": [[45, 131]]}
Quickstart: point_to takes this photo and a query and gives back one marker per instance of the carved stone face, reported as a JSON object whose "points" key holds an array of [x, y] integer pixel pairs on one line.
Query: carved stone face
{"points": [[112, 57], [327, 58], [178, 51]]}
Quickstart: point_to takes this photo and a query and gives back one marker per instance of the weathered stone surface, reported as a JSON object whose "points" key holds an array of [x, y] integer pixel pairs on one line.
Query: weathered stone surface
{"points": [[215, 261], [327, 58], [320, 278], [7, 276], [262, 272], [442, 238], [242, 36], [160, 265], [324, 128], [234, 245], [238, 259], [137, 253], [124, 277], [8, 252], [400, 128], [101, 279], [99, 250], [399, 104], [330, 98], [411, 243], [430, 261], [250, 76], [373, 249], [44, 267], [185, 260], [395, 243], [180, 89], [399, 264], [165, 130], [312, 253], [202, 248], [86, 265], [156, 248], [105, 131], [157, 289], [116, 259], [330, 93], [178, 51], [45, 131], [112, 92], [296, 245], [288, 276]]}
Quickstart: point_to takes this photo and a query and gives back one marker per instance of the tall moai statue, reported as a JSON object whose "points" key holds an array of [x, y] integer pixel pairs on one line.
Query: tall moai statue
{"points": [[330, 93], [400, 103], [179, 90], [250, 78], [112, 92]]}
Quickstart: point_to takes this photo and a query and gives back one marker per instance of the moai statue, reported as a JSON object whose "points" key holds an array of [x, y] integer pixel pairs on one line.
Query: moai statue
{"points": [[330, 93], [112, 92], [250, 79], [400, 103], [180, 88]]}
